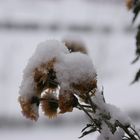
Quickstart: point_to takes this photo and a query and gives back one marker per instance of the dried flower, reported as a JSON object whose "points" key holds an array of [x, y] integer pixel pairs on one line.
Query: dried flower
{"points": [[29, 108], [67, 101], [40, 80], [75, 46], [53, 68], [129, 4], [49, 105], [84, 87], [45, 77]]}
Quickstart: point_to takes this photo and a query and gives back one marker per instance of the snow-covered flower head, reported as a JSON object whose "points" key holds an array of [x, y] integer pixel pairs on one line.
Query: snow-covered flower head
{"points": [[58, 72]]}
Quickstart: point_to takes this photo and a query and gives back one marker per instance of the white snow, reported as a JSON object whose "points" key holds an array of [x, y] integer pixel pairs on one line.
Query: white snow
{"points": [[115, 112], [27, 86], [69, 67], [73, 68], [45, 52], [118, 114], [107, 135]]}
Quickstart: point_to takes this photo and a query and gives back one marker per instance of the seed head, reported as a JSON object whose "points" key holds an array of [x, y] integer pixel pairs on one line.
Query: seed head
{"points": [[67, 101], [49, 105]]}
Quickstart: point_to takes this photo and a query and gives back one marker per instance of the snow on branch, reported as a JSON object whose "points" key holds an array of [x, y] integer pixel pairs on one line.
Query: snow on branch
{"points": [[60, 77]]}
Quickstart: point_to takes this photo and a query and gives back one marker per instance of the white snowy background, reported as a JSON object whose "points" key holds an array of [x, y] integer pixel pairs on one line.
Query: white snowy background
{"points": [[104, 26]]}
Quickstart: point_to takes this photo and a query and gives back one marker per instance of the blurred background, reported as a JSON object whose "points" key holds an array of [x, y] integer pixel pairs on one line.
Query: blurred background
{"points": [[103, 25]]}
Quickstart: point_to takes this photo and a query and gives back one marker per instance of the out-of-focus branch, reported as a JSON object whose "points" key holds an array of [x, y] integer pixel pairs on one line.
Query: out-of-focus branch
{"points": [[104, 117]]}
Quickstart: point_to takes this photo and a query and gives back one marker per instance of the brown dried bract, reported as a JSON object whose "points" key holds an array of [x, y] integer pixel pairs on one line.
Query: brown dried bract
{"points": [[49, 105], [67, 101], [27, 109]]}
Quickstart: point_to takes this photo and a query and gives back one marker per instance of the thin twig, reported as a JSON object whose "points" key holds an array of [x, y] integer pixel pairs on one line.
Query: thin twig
{"points": [[86, 106], [91, 103], [88, 110], [126, 130], [135, 132], [85, 111]]}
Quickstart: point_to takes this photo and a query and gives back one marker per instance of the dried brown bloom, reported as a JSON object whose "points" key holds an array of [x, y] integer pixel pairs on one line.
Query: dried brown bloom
{"points": [[49, 105], [45, 77], [67, 101], [28, 108], [84, 87], [129, 4], [40, 80], [75, 46]]}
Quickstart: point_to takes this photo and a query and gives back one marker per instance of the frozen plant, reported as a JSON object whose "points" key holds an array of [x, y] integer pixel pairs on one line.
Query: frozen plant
{"points": [[60, 77]]}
